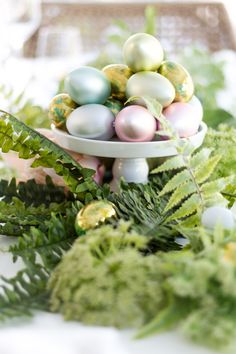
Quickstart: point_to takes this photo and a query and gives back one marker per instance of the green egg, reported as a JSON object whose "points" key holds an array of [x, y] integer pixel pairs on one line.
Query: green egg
{"points": [[118, 75], [60, 108], [180, 79], [114, 105], [148, 83], [88, 85]]}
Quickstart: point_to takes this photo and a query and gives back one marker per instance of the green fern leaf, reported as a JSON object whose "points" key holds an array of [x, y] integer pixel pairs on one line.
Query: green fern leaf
{"points": [[176, 181], [216, 186], [16, 136], [187, 208], [181, 192], [25, 292], [199, 157], [206, 168], [172, 163]]}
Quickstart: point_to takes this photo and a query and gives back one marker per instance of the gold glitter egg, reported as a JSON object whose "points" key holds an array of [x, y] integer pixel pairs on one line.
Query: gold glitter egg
{"points": [[93, 214], [180, 79], [60, 108]]}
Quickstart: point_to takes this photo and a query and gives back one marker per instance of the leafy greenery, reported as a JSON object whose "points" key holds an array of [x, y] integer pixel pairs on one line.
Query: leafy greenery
{"points": [[16, 136], [24, 293], [104, 280], [188, 189]]}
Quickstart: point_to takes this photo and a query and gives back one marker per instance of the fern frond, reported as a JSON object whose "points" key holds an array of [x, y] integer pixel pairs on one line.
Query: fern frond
{"points": [[206, 168], [50, 241], [24, 293], [16, 136], [180, 193], [172, 163], [187, 208], [216, 186], [176, 181], [199, 157]]}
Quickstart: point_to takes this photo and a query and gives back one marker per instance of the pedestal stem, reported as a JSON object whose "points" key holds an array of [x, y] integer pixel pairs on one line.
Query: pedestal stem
{"points": [[132, 170]]}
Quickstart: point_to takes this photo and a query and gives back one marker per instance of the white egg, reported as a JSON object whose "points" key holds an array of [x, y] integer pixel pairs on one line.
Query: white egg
{"points": [[196, 103], [91, 121], [218, 215]]}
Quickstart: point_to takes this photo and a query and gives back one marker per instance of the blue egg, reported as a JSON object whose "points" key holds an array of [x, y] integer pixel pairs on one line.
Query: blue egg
{"points": [[87, 85]]}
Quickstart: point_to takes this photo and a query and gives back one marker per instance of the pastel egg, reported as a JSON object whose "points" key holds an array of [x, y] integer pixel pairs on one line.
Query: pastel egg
{"points": [[215, 215], [92, 121], [180, 79], [60, 108], [118, 75], [196, 103], [135, 124], [143, 52], [88, 85], [147, 83], [183, 118], [114, 105]]}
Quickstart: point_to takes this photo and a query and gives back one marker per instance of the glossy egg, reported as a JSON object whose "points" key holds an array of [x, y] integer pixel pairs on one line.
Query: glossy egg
{"points": [[180, 79], [135, 123], [196, 103], [143, 52], [215, 215], [147, 83], [92, 121], [117, 74], [60, 108], [88, 85], [183, 118], [114, 105]]}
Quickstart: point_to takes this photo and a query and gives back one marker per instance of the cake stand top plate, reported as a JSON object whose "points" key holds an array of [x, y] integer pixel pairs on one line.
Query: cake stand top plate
{"points": [[120, 149]]}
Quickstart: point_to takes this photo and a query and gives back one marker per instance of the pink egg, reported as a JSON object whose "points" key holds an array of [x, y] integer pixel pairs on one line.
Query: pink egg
{"points": [[183, 117], [135, 123]]}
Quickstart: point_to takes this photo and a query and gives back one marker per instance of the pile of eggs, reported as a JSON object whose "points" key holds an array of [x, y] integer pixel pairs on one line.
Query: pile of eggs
{"points": [[93, 106]]}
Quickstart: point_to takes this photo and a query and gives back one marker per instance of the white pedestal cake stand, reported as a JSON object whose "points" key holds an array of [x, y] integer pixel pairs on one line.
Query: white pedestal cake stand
{"points": [[130, 158]]}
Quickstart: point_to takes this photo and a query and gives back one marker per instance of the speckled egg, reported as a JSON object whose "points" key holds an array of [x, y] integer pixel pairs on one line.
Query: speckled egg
{"points": [[114, 105], [135, 124], [180, 79], [143, 52], [147, 83], [88, 85], [91, 121], [60, 108], [118, 75], [183, 118]]}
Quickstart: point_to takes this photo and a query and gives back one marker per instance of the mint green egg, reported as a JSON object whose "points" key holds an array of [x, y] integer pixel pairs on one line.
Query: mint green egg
{"points": [[87, 85]]}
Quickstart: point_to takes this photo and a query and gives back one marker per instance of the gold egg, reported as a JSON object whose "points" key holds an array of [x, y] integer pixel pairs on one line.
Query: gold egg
{"points": [[60, 108], [93, 214], [180, 79], [118, 75]]}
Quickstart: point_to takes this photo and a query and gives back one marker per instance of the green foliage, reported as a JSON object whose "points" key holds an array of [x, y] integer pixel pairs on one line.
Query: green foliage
{"points": [[31, 193], [16, 136], [201, 290], [29, 113], [104, 280], [142, 204], [188, 189], [24, 293]]}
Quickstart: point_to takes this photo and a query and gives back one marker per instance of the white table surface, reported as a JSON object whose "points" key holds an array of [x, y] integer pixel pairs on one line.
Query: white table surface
{"points": [[48, 333]]}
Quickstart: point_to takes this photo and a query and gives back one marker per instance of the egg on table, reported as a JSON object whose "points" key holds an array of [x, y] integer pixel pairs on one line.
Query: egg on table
{"points": [[148, 83], [142, 52], [118, 75], [180, 79], [88, 85], [135, 124], [60, 108], [183, 117], [91, 121]]}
